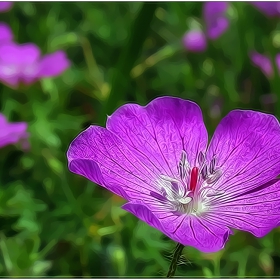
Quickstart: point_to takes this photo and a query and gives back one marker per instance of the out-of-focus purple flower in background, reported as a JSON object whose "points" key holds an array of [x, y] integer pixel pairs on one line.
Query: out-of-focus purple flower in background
{"points": [[5, 6], [271, 9], [264, 63], [13, 133], [215, 20], [6, 34], [24, 63], [195, 41], [216, 24]]}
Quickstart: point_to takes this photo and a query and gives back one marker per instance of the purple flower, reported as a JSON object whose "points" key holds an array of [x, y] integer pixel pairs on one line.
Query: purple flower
{"points": [[214, 17], [5, 6], [271, 9], [157, 158], [6, 34], [195, 41], [216, 24], [264, 63], [23, 63], [12, 133]]}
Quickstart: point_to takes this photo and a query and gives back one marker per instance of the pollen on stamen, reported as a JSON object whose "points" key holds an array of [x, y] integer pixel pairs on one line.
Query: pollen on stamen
{"points": [[194, 179]]}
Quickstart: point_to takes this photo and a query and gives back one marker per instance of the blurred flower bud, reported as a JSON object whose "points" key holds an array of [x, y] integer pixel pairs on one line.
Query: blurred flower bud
{"points": [[195, 41], [215, 20], [263, 63]]}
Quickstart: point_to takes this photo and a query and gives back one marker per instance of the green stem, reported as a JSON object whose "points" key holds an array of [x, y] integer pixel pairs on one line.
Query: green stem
{"points": [[172, 268]]}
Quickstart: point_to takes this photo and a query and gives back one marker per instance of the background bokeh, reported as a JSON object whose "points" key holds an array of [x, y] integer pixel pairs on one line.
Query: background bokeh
{"points": [[55, 223]]}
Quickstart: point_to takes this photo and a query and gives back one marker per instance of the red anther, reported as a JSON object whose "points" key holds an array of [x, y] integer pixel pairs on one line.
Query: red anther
{"points": [[194, 178]]}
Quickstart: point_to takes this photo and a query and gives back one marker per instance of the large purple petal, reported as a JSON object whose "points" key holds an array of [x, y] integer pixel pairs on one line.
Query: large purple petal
{"points": [[6, 34], [214, 16], [247, 149], [103, 158], [53, 64], [91, 170], [161, 130], [256, 211], [186, 229], [5, 6], [139, 145], [269, 8]]}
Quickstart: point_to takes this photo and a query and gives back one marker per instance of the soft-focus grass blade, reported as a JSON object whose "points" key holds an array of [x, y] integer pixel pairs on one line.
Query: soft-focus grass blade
{"points": [[121, 76]]}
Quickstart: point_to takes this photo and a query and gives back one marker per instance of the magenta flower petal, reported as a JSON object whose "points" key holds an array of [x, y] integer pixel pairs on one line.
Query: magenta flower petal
{"points": [[195, 41], [189, 231], [11, 133], [144, 214], [53, 64], [246, 145], [256, 211], [154, 156], [154, 146], [91, 170], [5, 6], [262, 62], [214, 17], [6, 34], [161, 129], [269, 8]]}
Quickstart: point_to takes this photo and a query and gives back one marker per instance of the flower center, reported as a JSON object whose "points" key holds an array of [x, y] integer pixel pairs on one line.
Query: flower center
{"points": [[190, 191]]}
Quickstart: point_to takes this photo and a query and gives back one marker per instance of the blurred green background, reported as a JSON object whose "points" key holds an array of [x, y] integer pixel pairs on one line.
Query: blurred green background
{"points": [[55, 223]]}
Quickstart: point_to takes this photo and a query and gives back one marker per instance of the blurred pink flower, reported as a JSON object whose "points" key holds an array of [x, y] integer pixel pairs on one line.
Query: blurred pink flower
{"points": [[195, 41], [215, 25], [264, 63], [6, 34], [24, 63], [12, 133], [5, 6], [270, 9], [214, 17]]}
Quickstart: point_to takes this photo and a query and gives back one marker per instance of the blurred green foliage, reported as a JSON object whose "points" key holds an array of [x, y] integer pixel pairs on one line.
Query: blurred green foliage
{"points": [[54, 223]]}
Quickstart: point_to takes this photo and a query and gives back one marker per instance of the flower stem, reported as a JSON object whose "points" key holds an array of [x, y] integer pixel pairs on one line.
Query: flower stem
{"points": [[172, 268]]}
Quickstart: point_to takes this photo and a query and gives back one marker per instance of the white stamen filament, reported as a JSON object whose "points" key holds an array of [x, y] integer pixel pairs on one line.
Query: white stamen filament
{"points": [[178, 193]]}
